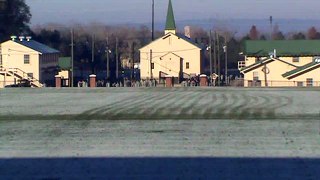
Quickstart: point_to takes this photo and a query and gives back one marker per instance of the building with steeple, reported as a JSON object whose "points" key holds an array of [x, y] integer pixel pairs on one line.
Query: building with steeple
{"points": [[172, 54]]}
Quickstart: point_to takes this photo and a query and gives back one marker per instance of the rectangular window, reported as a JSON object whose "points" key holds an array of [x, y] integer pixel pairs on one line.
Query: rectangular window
{"points": [[296, 59], [30, 75], [26, 59], [152, 65], [255, 75], [0, 59], [300, 84], [187, 65], [309, 82]]}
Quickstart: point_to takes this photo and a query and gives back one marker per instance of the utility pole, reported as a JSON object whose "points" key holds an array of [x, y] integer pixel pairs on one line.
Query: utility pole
{"points": [[219, 65], [215, 53], [151, 73], [108, 61], [72, 58], [210, 53], [92, 57], [117, 60], [271, 27], [132, 51], [152, 21], [226, 60]]}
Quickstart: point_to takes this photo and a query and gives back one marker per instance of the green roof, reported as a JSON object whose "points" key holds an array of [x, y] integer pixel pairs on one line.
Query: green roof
{"points": [[300, 70], [170, 24], [260, 48], [65, 63]]}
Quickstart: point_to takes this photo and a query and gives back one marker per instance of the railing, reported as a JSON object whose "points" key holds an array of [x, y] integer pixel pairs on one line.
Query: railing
{"points": [[241, 64], [16, 72]]}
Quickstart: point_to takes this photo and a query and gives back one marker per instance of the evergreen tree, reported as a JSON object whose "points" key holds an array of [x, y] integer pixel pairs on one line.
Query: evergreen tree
{"points": [[254, 33]]}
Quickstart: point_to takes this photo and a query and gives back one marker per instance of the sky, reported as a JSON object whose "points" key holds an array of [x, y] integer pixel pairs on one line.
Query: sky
{"points": [[139, 11]]}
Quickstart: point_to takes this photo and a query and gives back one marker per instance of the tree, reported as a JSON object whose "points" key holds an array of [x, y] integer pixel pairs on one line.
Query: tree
{"points": [[277, 34], [298, 36], [14, 18], [254, 33], [313, 33]]}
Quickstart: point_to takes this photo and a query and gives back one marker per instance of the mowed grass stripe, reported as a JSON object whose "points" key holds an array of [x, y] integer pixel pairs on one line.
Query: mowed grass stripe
{"points": [[172, 104], [141, 102], [157, 105], [120, 105]]}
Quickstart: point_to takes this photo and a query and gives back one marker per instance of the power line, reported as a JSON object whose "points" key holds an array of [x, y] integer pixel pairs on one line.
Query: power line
{"points": [[171, 51]]}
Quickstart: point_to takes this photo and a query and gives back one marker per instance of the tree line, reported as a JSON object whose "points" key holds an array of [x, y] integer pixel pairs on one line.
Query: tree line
{"points": [[118, 43]]}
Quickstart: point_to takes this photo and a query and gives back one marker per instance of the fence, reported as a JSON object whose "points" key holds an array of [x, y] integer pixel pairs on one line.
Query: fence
{"points": [[259, 83]]}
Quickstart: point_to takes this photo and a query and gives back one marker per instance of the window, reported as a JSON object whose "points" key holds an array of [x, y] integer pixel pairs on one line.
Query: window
{"points": [[309, 82], [26, 59], [296, 59], [152, 65], [300, 84], [187, 65], [256, 76], [0, 59], [30, 75]]}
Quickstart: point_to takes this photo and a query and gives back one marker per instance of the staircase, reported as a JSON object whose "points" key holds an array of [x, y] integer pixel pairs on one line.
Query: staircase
{"points": [[20, 75]]}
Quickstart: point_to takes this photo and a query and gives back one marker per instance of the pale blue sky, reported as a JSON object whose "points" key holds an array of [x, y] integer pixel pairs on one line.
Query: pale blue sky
{"points": [[139, 11]]}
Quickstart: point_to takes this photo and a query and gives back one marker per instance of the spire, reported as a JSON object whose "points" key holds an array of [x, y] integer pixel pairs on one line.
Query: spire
{"points": [[170, 24]]}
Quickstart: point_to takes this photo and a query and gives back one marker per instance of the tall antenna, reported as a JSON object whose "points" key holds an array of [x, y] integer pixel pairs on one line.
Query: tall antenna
{"points": [[152, 20]]}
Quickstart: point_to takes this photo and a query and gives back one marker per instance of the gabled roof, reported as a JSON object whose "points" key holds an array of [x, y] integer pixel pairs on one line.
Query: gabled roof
{"points": [[261, 63], [182, 36], [179, 36], [41, 48], [170, 53], [170, 23], [301, 70], [262, 48]]}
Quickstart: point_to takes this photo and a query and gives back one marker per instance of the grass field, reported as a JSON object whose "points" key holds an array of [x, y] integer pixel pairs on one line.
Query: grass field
{"points": [[135, 133]]}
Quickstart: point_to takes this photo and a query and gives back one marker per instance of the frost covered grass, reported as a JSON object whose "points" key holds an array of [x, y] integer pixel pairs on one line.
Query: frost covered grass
{"points": [[144, 133], [159, 103]]}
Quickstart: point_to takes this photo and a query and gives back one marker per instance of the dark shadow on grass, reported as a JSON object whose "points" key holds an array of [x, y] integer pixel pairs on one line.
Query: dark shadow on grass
{"points": [[244, 115], [159, 168]]}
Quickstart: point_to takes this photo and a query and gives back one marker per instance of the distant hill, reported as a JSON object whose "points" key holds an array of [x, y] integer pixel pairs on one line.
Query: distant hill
{"points": [[242, 26]]}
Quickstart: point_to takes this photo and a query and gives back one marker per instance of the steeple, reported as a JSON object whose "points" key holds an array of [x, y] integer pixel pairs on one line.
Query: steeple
{"points": [[170, 24]]}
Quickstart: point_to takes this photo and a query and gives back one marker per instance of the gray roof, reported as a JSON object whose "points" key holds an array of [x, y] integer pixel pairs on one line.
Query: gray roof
{"points": [[182, 36], [43, 49]]}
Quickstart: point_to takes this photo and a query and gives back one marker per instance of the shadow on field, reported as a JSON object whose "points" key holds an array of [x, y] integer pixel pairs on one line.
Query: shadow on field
{"points": [[159, 168]]}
